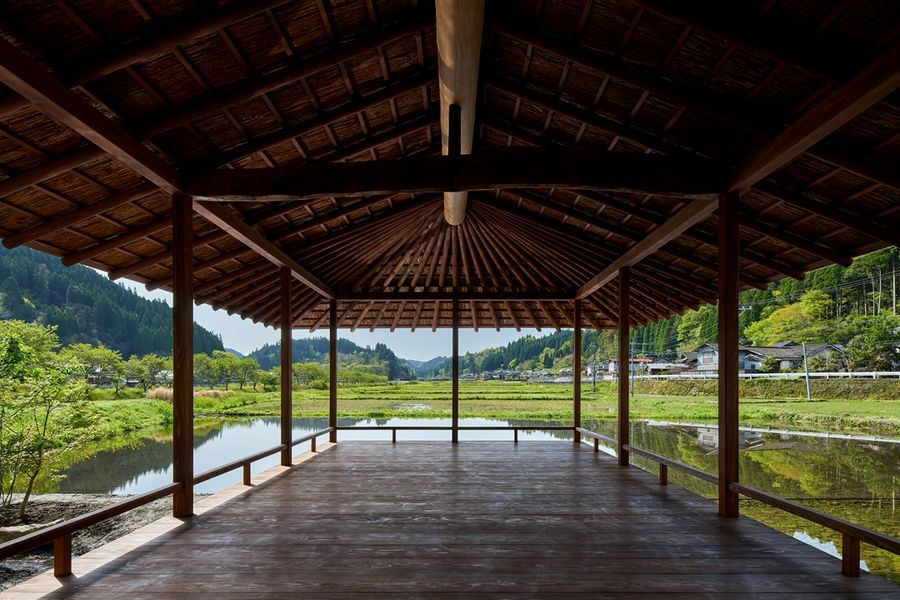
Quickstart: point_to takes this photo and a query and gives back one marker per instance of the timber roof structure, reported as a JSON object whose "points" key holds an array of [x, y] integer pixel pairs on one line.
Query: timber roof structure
{"points": [[604, 131]]}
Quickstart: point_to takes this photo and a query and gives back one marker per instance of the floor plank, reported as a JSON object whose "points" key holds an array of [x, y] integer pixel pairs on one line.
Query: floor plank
{"points": [[481, 519]]}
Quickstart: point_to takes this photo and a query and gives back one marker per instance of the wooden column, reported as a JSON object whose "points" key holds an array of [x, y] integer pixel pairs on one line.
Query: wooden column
{"points": [[729, 282], [332, 370], [624, 363], [286, 362], [576, 373], [183, 355], [455, 387]]}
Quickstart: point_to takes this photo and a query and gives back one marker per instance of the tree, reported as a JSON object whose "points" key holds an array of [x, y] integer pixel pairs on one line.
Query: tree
{"points": [[246, 370], [307, 373], [225, 367], [42, 407], [99, 365], [204, 369]]}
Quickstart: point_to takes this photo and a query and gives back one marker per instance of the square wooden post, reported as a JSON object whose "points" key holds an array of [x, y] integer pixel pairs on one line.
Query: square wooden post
{"points": [[455, 385], [286, 362], [576, 373], [624, 364], [729, 284], [332, 370], [183, 355]]}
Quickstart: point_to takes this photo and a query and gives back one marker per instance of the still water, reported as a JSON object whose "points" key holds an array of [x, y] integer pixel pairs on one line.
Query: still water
{"points": [[853, 477]]}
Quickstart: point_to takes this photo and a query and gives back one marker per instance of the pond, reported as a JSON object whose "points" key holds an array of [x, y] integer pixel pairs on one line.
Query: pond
{"points": [[853, 477]]}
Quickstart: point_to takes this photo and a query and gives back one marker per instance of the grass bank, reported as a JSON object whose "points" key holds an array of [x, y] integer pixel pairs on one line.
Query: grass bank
{"points": [[878, 415]]}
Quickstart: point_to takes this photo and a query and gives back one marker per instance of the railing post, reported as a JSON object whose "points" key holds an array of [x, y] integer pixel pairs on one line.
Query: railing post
{"points": [[576, 373], [596, 445], [183, 356], [515, 436], [393, 436], [332, 372], [663, 474], [312, 445], [624, 363], [62, 555], [286, 363], [247, 474], [849, 555], [729, 285]]}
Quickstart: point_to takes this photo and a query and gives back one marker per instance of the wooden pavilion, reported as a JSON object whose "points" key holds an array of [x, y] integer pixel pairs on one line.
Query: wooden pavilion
{"points": [[403, 163]]}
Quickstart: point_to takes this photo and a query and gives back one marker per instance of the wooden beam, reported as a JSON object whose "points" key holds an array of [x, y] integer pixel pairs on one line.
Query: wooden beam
{"points": [[688, 216], [863, 91], [576, 372], [183, 359], [729, 286], [499, 168], [458, 33], [229, 221], [48, 95], [332, 369], [624, 356], [454, 392], [287, 326]]}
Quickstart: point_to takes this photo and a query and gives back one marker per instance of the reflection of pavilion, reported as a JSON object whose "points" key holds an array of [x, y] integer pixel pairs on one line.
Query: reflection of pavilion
{"points": [[709, 437]]}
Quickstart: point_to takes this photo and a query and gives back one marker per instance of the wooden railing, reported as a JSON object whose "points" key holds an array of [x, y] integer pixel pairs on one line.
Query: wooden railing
{"points": [[60, 534], [851, 533], [395, 428]]}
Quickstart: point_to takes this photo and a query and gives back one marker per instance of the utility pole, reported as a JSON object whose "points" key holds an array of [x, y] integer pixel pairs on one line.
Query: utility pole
{"points": [[806, 368]]}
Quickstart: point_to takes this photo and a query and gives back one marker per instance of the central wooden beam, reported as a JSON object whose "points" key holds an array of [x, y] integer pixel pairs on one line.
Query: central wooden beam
{"points": [[689, 215], [48, 95], [485, 296], [499, 168], [230, 222], [866, 89], [458, 33]]}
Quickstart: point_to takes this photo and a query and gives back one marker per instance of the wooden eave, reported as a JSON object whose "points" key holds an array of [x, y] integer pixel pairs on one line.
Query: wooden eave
{"points": [[127, 103]]}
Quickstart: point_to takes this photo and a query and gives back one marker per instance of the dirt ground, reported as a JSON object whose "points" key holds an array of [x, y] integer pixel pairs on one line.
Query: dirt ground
{"points": [[46, 509]]}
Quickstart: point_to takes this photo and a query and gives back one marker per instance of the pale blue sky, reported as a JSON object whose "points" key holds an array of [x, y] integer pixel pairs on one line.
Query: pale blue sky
{"points": [[246, 336]]}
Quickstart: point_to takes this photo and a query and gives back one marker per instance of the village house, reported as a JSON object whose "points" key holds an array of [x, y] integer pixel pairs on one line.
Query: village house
{"points": [[750, 358]]}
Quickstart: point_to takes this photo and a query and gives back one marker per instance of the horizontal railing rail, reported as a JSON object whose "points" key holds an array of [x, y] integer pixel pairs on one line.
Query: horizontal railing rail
{"points": [[514, 428], [851, 533], [60, 534]]}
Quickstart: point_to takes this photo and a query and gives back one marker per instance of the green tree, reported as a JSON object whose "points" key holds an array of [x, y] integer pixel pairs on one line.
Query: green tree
{"points": [[246, 371], [99, 365], [307, 373], [42, 407]]}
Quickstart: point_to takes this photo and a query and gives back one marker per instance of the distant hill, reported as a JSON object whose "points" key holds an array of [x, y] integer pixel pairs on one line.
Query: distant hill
{"points": [[87, 307], [380, 359], [439, 366]]}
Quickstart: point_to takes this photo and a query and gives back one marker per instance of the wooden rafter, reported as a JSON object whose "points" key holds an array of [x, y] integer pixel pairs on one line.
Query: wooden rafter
{"points": [[870, 86], [241, 231], [47, 94], [687, 216]]}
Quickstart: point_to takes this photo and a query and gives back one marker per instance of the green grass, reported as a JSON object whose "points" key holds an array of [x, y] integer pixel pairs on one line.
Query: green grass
{"points": [[505, 400]]}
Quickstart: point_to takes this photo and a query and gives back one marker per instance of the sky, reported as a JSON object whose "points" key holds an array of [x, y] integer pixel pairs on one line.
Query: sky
{"points": [[246, 336]]}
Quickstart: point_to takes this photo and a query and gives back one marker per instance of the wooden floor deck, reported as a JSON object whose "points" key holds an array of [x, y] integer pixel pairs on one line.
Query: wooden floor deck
{"points": [[480, 520]]}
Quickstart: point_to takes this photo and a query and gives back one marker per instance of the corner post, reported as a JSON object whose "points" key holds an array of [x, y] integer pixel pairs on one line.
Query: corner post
{"points": [[183, 355], [455, 387], [729, 283], [624, 363], [332, 370], [286, 362], [576, 373]]}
